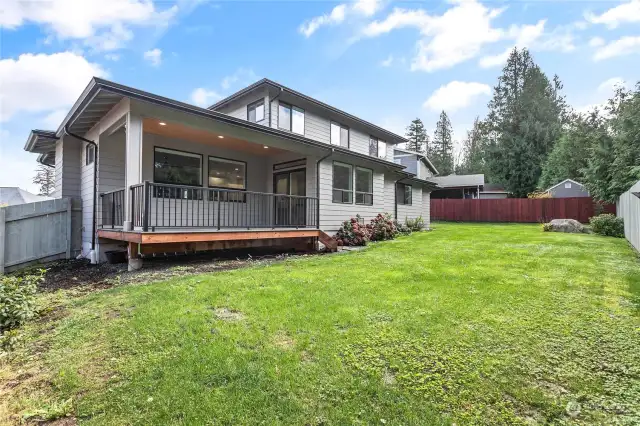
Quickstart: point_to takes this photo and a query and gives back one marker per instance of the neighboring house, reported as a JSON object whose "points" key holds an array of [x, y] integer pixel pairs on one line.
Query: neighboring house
{"points": [[265, 164], [11, 196], [466, 186], [568, 188], [414, 163]]}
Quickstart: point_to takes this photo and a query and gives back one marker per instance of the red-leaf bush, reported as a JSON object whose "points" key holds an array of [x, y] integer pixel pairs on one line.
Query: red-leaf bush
{"points": [[383, 228], [353, 233]]}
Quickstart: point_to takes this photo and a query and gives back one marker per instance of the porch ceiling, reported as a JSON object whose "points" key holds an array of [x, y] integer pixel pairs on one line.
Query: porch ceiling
{"points": [[180, 131]]}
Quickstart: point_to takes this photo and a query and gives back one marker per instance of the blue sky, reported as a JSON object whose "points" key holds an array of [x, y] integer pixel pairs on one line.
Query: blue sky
{"points": [[385, 61]]}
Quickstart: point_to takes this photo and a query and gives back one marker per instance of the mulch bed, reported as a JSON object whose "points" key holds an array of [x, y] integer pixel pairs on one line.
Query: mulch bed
{"points": [[80, 273]]}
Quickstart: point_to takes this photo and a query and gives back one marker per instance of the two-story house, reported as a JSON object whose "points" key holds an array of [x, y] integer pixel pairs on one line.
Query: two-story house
{"points": [[265, 164]]}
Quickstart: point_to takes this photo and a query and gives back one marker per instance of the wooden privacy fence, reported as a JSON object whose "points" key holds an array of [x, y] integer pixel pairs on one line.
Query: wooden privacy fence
{"points": [[38, 232], [517, 209]]}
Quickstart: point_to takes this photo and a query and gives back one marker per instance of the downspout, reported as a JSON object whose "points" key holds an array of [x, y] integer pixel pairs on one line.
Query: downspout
{"points": [[318, 183], [92, 254]]}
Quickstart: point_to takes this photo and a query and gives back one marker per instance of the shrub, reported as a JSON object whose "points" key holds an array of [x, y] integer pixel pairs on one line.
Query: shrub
{"points": [[17, 299], [547, 227], [383, 228], [353, 233], [402, 228], [416, 224], [607, 224]]}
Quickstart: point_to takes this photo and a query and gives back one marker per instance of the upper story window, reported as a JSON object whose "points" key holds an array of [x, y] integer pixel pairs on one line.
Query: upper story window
{"points": [[567, 185], [339, 135], [255, 111], [377, 147], [404, 194], [291, 118], [89, 154], [177, 167]]}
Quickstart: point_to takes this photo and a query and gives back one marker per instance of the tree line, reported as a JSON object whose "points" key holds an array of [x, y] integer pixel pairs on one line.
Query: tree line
{"points": [[532, 139]]}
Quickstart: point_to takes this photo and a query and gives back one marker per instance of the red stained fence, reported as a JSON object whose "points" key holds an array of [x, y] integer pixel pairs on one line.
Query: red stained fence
{"points": [[517, 209]]}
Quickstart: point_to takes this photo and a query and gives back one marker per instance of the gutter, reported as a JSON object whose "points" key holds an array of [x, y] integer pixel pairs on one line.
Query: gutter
{"points": [[92, 256]]}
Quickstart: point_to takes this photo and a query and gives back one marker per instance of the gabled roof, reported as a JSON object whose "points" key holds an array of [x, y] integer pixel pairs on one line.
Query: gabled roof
{"points": [[457, 181], [560, 183], [101, 95], [278, 86], [422, 157], [11, 196]]}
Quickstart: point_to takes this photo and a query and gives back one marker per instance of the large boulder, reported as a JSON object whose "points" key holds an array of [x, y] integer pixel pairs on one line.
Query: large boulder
{"points": [[565, 225]]}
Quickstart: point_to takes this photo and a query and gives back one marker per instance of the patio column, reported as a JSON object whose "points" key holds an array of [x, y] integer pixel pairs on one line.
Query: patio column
{"points": [[133, 169]]}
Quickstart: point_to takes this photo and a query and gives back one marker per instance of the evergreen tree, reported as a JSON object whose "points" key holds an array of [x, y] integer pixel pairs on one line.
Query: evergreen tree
{"points": [[472, 155], [525, 120], [45, 178], [417, 136], [570, 155], [441, 154], [614, 157]]}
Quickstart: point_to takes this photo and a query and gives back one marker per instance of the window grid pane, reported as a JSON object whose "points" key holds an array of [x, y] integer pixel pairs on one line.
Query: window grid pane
{"points": [[284, 117], [297, 120], [342, 183], [335, 134], [373, 147]]}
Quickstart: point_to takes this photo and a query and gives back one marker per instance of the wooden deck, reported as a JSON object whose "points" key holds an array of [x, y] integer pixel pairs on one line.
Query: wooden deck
{"points": [[195, 240]]}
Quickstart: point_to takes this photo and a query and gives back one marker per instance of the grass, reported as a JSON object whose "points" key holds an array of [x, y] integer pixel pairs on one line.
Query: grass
{"points": [[468, 324]]}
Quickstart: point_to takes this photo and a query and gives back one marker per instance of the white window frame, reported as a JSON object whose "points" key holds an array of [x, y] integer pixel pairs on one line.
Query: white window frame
{"points": [[254, 106], [342, 190]]}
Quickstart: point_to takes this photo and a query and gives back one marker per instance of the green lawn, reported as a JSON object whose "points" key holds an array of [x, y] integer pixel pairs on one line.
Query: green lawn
{"points": [[467, 324]]}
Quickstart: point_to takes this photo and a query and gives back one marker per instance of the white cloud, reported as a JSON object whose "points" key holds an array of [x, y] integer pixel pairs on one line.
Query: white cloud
{"points": [[456, 95], [154, 56], [367, 7], [112, 57], [339, 14], [53, 119], [532, 37], [596, 42], [623, 46], [42, 83], [448, 39], [242, 75], [387, 62], [610, 84], [204, 97], [100, 27], [628, 12], [336, 16]]}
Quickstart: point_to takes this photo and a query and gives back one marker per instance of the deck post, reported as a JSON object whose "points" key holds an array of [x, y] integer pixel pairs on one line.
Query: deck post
{"points": [[219, 195]]}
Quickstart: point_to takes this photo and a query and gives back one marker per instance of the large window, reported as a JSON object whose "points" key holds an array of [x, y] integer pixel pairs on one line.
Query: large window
{"points": [[364, 186], [342, 183], [291, 118], [177, 167], [229, 174], [404, 194], [339, 135], [377, 147], [255, 111]]}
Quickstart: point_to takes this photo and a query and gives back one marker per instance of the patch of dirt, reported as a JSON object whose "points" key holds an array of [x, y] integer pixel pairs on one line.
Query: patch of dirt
{"points": [[283, 341], [80, 274], [226, 314], [388, 378], [65, 421]]}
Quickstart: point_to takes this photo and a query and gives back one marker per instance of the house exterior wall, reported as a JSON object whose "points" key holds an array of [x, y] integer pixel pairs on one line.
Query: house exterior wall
{"points": [[423, 171], [317, 123], [67, 168], [413, 210], [426, 208], [576, 190]]}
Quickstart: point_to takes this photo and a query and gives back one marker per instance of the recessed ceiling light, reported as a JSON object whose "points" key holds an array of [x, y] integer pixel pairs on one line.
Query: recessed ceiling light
{"points": [[162, 123], [265, 147], [221, 137]]}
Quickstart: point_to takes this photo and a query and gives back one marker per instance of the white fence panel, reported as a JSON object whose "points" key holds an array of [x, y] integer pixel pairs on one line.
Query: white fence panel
{"points": [[36, 232], [628, 208]]}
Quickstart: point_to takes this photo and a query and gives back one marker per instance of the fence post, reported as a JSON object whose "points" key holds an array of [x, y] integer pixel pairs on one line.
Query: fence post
{"points": [[2, 239], [146, 200]]}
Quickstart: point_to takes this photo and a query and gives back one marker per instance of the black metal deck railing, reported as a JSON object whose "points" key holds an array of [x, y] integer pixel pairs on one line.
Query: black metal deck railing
{"points": [[161, 206], [112, 209]]}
